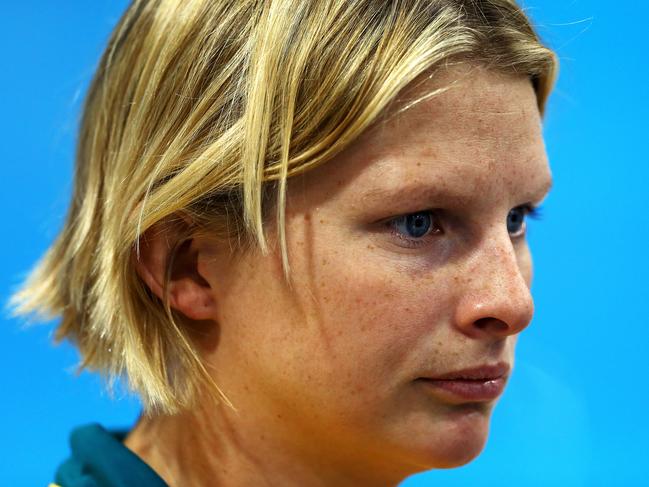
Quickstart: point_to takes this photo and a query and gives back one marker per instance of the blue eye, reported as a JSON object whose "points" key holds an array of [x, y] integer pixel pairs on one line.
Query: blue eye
{"points": [[416, 229], [516, 224], [413, 227]]}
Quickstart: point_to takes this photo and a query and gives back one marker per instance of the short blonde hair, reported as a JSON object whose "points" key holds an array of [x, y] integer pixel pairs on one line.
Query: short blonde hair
{"points": [[206, 108]]}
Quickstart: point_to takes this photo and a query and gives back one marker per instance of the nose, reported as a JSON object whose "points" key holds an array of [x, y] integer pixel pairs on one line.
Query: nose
{"points": [[496, 300]]}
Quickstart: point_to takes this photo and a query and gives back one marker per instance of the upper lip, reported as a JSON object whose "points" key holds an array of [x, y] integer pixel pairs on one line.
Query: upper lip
{"points": [[480, 372]]}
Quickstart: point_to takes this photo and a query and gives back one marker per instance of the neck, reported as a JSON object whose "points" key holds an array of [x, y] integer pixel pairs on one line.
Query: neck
{"points": [[189, 449]]}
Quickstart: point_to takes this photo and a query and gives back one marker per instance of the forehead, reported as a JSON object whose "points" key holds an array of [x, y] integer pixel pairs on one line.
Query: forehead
{"points": [[481, 132]]}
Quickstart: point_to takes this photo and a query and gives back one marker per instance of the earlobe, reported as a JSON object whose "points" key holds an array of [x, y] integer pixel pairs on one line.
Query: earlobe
{"points": [[188, 292]]}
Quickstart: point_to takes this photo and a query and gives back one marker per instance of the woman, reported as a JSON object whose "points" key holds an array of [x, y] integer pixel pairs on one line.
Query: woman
{"points": [[298, 231]]}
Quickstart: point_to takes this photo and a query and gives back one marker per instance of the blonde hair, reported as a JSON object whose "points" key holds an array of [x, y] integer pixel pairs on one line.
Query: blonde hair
{"points": [[206, 108]]}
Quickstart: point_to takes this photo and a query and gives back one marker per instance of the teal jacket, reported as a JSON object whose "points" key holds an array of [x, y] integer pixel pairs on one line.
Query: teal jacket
{"points": [[100, 459]]}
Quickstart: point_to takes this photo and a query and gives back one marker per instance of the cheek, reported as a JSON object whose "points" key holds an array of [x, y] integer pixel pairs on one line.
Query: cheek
{"points": [[369, 317], [354, 328]]}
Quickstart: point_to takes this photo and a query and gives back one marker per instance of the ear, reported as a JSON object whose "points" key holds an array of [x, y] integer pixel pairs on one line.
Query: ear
{"points": [[189, 293]]}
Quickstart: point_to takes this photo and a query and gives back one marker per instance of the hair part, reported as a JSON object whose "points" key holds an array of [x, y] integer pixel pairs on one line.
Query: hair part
{"points": [[206, 109]]}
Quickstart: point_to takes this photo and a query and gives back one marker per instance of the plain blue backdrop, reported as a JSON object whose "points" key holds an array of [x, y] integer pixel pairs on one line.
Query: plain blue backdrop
{"points": [[575, 411]]}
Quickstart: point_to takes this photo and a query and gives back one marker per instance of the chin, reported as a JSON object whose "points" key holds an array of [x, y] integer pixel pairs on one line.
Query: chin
{"points": [[458, 455], [455, 442]]}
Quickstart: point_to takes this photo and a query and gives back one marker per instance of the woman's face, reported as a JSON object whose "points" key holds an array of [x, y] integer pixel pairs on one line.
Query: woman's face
{"points": [[409, 261]]}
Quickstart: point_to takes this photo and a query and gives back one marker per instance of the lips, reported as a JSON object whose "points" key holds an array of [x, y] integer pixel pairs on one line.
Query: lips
{"points": [[460, 391], [481, 383], [480, 372]]}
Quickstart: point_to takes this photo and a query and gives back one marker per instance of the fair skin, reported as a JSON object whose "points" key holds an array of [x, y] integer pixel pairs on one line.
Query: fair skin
{"points": [[326, 378]]}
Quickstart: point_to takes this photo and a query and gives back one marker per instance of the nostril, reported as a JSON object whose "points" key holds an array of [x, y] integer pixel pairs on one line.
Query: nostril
{"points": [[495, 323]]}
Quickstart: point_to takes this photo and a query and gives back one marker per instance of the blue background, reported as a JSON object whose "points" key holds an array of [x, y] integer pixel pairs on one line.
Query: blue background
{"points": [[575, 412]]}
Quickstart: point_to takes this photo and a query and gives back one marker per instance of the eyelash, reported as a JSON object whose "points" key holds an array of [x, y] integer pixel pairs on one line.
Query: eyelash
{"points": [[531, 211]]}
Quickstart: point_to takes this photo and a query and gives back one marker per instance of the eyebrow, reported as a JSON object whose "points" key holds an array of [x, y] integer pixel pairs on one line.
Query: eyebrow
{"points": [[420, 192]]}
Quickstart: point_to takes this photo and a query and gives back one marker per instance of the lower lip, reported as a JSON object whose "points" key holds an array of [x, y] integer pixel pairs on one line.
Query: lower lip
{"points": [[470, 390]]}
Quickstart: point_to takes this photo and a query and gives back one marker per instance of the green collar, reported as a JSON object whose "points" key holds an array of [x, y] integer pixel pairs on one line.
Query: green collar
{"points": [[100, 459]]}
